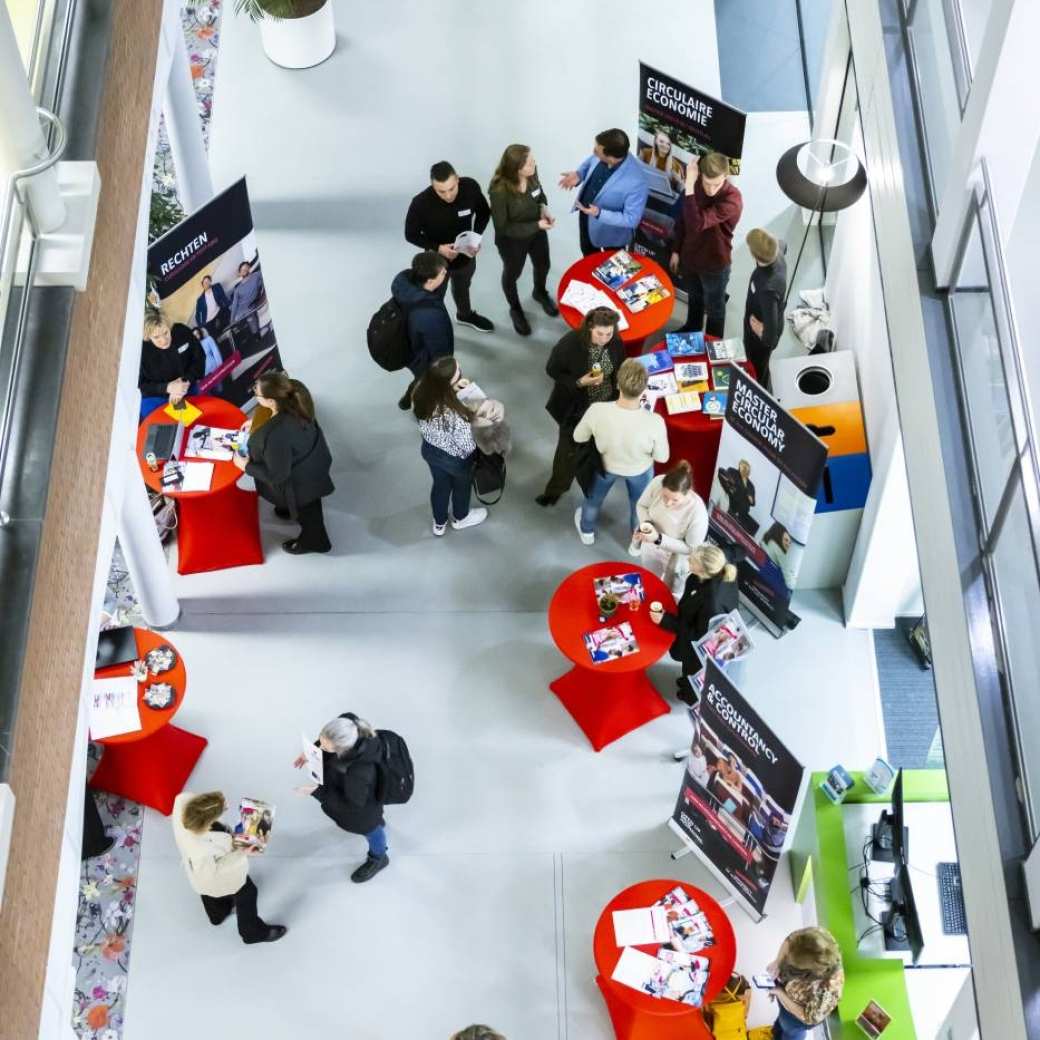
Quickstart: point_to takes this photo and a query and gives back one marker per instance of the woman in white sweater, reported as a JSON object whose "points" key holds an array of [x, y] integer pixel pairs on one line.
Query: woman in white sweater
{"points": [[673, 521], [218, 869]]}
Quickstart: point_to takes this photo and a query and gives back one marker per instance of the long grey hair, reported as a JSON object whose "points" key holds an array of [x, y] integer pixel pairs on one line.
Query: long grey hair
{"points": [[343, 734]]}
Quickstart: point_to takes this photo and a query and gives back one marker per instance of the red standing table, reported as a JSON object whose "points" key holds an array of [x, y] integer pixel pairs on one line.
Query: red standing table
{"points": [[648, 321], [218, 528], [694, 436], [151, 765], [638, 1016], [613, 698]]}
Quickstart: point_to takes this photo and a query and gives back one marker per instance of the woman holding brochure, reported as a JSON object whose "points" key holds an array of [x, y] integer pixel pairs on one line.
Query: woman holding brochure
{"points": [[349, 793], [290, 460]]}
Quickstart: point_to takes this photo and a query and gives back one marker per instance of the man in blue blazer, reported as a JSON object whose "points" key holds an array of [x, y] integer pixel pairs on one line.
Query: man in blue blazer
{"points": [[612, 196], [212, 307]]}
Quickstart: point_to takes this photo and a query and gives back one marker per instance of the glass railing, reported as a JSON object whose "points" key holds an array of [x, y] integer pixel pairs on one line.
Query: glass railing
{"points": [[1005, 475]]}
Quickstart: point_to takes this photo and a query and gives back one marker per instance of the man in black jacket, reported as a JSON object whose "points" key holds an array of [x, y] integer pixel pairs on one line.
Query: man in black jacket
{"points": [[419, 292], [764, 309], [171, 361], [436, 217]]}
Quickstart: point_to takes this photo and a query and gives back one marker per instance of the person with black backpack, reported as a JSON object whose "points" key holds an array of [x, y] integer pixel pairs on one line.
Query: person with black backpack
{"points": [[419, 294], [363, 769]]}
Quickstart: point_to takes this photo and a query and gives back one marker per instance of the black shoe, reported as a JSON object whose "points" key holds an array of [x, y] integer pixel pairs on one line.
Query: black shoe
{"points": [[405, 404], [282, 514], [476, 321], [546, 301], [368, 870], [274, 933], [519, 321], [293, 546], [547, 500]]}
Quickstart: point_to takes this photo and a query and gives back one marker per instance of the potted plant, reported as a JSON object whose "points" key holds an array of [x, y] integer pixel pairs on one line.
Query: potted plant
{"points": [[296, 34]]}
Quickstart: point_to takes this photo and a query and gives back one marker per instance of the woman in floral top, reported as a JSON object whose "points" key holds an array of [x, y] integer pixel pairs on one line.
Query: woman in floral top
{"points": [[446, 425], [809, 980]]}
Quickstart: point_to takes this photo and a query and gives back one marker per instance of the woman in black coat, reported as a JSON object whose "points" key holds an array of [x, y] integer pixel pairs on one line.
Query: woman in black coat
{"points": [[349, 795], [290, 461], [711, 589], [583, 367], [736, 482]]}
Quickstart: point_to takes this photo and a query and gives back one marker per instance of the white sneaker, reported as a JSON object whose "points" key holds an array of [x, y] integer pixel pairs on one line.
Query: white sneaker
{"points": [[635, 549], [439, 529], [586, 539], [471, 519]]}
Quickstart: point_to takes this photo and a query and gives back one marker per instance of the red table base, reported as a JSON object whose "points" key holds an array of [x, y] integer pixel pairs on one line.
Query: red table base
{"points": [[218, 531], [700, 448], [630, 1024], [608, 706], [152, 771]]}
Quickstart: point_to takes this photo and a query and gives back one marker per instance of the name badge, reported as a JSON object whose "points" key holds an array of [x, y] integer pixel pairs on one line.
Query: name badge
{"points": [[181, 350], [536, 193], [465, 212], [751, 286]]}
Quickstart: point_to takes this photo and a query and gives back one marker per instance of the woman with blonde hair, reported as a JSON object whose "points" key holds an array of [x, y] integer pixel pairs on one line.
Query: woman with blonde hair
{"points": [[809, 981], [172, 362], [520, 212], [711, 589]]}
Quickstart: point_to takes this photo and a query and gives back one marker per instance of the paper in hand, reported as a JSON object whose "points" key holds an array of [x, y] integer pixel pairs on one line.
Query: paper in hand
{"points": [[315, 763]]}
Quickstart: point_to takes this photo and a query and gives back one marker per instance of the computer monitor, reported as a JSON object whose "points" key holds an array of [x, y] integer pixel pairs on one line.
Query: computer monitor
{"points": [[889, 838], [901, 924]]}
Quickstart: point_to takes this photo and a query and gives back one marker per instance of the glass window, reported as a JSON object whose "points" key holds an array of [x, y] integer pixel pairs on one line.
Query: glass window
{"points": [[23, 16]]}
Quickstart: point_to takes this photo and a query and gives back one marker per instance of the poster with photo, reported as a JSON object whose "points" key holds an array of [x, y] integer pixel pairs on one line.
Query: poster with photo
{"points": [[677, 122], [739, 791], [763, 497], [206, 272]]}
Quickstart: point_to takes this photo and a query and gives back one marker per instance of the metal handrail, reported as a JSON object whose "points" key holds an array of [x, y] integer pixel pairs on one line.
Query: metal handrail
{"points": [[14, 191]]}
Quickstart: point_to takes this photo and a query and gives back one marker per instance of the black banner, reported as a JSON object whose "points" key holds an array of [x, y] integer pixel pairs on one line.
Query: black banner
{"points": [[677, 122], [231, 311], [739, 790], [763, 497]]}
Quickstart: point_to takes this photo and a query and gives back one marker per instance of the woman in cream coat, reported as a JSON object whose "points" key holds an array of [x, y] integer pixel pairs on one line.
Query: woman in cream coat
{"points": [[679, 522], [218, 869]]}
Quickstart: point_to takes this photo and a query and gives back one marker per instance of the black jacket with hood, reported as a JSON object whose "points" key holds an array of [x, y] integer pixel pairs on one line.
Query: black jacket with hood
{"points": [[350, 794], [430, 332]]}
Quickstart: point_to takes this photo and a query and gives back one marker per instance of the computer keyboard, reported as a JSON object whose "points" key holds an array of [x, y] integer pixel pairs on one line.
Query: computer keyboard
{"points": [[951, 899]]}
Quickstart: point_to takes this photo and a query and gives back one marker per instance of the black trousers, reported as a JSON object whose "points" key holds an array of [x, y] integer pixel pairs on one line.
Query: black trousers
{"points": [[564, 464], [706, 298], [312, 534], [250, 925], [758, 354], [514, 253], [460, 278]]}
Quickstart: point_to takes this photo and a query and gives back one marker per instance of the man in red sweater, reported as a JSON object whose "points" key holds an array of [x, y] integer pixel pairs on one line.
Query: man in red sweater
{"points": [[704, 242]]}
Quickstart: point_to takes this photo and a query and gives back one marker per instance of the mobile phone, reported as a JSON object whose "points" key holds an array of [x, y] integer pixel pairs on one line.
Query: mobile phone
{"points": [[763, 981]]}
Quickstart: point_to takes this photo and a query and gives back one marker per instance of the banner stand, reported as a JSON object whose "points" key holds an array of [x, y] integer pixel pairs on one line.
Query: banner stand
{"points": [[687, 847]]}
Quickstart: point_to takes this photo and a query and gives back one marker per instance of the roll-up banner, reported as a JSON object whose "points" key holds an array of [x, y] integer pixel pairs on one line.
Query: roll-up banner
{"points": [[763, 497], [677, 122], [206, 272], [739, 792]]}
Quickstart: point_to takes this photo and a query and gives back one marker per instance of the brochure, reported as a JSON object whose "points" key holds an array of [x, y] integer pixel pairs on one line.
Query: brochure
{"points": [[873, 1019], [688, 922], [687, 401], [611, 643], [198, 476], [186, 414], [723, 350], [627, 587], [727, 641], [617, 269], [685, 344], [211, 442], [641, 927], [662, 383], [112, 707], [687, 372], [467, 242], [315, 763], [657, 361], [471, 393], [721, 377], [713, 403], [643, 293], [583, 297], [659, 978], [255, 819]]}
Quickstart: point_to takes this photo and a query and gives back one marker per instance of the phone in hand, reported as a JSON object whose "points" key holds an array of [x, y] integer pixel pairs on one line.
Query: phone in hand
{"points": [[763, 981]]}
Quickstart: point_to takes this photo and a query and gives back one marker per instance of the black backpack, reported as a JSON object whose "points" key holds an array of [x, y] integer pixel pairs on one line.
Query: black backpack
{"points": [[388, 337], [489, 476], [396, 772]]}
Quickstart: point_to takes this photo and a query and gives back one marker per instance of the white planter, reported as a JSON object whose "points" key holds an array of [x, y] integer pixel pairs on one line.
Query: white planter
{"points": [[299, 43]]}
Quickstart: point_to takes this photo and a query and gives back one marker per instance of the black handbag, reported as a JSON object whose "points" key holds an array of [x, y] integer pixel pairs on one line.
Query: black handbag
{"points": [[588, 466], [489, 476]]}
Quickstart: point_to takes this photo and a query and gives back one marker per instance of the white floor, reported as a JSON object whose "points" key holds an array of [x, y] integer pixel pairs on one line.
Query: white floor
{"points": [[518, 832]]}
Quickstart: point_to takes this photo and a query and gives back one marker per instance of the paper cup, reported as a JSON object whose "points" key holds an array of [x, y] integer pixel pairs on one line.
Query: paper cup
{"points": [[646, 528], [657, 607]]}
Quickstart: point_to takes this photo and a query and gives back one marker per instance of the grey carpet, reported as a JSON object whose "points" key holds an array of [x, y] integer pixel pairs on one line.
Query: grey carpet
{"points": [[907, 700]]}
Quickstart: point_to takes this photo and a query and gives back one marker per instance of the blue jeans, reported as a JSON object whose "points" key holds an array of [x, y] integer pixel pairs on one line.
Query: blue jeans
{"points": [[452, 483], [706, 297], [604, 482], [787, 1027], [377, 845]]}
